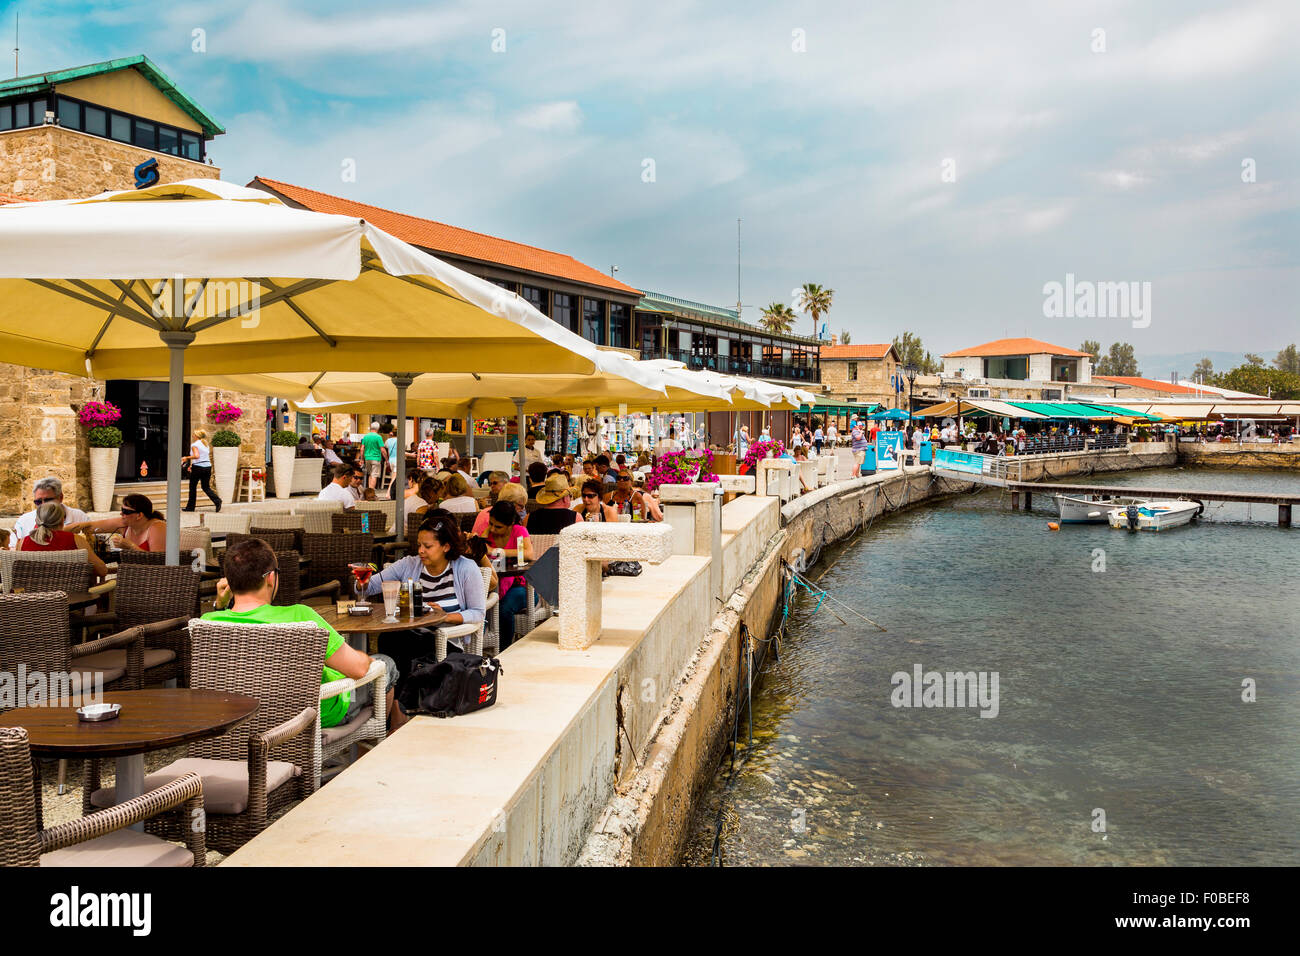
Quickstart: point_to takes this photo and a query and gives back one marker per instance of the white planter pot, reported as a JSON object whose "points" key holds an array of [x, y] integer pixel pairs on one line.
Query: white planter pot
{"points": [[225, 466], [103, 475], [282, 457]]}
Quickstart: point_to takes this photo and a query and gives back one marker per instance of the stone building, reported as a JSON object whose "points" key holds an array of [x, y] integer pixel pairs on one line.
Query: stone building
{"points": [[73, 133], [859, 373]]}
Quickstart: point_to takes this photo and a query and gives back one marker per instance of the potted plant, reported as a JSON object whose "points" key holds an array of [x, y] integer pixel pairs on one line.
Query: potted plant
{"points": [[284, 445], [225, 462], [105, 447], [685, 467]]}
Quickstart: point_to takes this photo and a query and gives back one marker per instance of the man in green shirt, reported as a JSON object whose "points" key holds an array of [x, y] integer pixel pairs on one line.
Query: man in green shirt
{"points": [[245, 594], [373, 455]]}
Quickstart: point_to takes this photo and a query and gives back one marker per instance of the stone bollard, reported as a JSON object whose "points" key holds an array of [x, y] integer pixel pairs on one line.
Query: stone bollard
{"points": [[583, 546], [695, 514], [738, 484], [775, 477], [808, 472]]}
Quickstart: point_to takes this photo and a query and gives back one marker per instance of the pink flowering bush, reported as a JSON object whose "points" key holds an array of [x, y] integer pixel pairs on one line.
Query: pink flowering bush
{"points": [[759, 450], [222, 413], [98, 414], [680, 468]]}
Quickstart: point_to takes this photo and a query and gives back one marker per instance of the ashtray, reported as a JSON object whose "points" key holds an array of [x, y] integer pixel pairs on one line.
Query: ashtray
{"points": [[359, 610], [99, 711]]}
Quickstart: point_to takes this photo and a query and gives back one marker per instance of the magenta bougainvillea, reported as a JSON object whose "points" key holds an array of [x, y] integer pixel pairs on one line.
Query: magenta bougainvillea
{"points": [[680, 468], [98, 414], [223, 413], [759, 450]]}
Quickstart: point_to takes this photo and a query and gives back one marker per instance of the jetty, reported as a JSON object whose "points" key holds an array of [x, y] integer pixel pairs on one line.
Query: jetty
{"points": [[1027, 489]]}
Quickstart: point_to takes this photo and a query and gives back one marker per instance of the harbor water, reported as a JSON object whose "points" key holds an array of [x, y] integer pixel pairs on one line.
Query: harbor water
{"points": [[1124, 732]]}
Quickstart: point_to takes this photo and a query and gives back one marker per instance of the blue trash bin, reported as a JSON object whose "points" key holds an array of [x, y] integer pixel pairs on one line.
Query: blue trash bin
{"points": [[927, 453], [869, 462]]}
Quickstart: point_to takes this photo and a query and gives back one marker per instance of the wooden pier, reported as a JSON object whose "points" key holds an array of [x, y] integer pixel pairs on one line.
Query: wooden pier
{"points": [[1027, 489]]}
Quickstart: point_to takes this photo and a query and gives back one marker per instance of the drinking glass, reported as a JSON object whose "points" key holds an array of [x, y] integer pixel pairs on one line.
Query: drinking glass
{"points": [[392, 596], [360, 579]]}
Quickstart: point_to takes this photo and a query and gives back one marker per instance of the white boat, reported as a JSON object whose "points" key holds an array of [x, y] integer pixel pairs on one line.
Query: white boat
{"points": [[1090, 509], [1155, 515]]}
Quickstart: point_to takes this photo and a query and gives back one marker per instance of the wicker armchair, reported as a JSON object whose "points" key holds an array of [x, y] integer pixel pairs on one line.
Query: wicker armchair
{"points": [[101, 839], [330, 556], [269, 761], [228, 521], [8, 557], [280, 540], [275, 536], [67, 576], [161, 600], [350, 522], [291, 591], [273, 521], [34, 632], [371, 724], [409, 543], [475, 632], [316, 514]]}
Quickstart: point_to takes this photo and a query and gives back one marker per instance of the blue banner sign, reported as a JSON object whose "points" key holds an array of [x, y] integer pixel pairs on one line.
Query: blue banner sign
{"points": [[965, 461], [889, 445]]}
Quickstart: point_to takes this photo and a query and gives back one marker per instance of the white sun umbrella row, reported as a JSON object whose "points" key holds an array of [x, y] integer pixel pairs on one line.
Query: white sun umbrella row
{"points": [[203, 278]]}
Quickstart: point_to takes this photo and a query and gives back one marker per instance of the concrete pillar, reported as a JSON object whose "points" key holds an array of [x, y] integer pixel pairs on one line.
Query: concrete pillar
{"points": [[775, 476], [694, 512], [1284, 516], [583, 546], [738, 484]]}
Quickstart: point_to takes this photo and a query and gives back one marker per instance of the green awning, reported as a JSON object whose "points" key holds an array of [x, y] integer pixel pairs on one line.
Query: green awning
{"points": [[1062, 409], [1119, 412]]}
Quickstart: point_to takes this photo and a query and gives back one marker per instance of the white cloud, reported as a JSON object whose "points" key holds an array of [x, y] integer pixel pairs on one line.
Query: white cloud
{"points": [[562, 116]]}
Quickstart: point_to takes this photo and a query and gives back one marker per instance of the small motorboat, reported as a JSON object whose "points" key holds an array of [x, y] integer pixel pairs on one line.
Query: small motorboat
{"points": [[1090, 509], [1155, 515]]}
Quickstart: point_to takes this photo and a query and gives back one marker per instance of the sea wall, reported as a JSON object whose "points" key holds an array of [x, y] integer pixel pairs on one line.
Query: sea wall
{"points": [[1239, 455]]}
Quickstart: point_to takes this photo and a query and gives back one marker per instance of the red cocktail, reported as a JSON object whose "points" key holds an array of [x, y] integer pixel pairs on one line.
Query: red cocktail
{"points": [[360, 579]]}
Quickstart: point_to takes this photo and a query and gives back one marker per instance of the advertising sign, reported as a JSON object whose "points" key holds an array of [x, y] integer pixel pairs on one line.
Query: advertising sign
{"points": [[889, 445], [965, 461]]}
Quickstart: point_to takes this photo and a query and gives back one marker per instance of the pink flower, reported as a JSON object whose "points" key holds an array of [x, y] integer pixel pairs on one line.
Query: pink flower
{"points": [[98, 414]]}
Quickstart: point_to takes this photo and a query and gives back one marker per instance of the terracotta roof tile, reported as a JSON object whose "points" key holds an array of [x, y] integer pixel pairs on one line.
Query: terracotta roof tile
{"points": [[1016, 347], [1150, 384], [438, 237], [872, 351], [6, 198]]}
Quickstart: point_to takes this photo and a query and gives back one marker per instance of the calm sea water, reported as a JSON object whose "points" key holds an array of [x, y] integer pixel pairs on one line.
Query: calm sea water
{"points": [[1119, 691]]}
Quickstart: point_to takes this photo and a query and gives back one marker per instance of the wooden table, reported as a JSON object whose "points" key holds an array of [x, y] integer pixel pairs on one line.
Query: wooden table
{"points": [[357, 628], [76, 599], [150, 720]]}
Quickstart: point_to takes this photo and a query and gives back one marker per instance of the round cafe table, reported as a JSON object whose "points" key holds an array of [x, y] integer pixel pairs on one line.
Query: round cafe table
{"points": [[357, 629], [150, 720]]}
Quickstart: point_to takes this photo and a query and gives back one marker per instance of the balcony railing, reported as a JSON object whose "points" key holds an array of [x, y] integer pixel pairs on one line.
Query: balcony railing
{"points": [[733, 365]]}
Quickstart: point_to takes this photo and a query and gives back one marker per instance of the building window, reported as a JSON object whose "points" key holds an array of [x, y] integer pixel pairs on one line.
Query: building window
{"points": [[978, 393], [620, 326], [536, 298], [503, 284], [96, 121], [191, 146], [593, 321], [169, 141], [853, 371], [6, 116], [120, 128], [146, 135], [562, 311], [69, 113]]}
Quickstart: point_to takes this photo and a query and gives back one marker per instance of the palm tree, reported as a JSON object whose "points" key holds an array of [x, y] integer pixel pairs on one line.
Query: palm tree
{"points": [[777, 317], [845, 334], [816, 300]]}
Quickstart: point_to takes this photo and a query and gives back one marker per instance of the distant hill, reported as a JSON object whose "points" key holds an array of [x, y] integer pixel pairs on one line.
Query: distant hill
{"points": [[1160, 365]]}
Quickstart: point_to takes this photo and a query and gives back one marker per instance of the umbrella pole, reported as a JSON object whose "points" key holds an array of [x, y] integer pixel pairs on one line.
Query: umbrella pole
{"points": [[403, 382], [176, 342], [469, 429], [519, 431]]}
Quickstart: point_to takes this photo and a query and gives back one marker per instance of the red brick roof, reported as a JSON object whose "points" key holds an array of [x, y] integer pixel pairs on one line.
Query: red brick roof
{"points": [[5, 198], [1151, 384], [1016, 347], [872, 351], [438, 237]]}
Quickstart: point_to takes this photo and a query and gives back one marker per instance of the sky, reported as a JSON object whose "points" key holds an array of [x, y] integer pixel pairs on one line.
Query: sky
{"points": [[935, 164]]}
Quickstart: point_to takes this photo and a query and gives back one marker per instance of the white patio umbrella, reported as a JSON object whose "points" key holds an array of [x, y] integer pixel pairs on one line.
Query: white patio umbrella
{"points": [[206, 278]]}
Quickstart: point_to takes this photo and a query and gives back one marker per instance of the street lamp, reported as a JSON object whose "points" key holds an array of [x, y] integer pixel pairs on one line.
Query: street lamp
{"points": [[909, 371]]}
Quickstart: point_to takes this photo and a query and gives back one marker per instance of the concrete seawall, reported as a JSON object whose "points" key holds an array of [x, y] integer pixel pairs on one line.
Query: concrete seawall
{"points": [[1238, 455]]}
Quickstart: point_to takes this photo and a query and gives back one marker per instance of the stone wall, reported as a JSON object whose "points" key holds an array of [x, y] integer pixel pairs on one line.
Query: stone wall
{"points": [[871, 385], [1236, 454], [251, 428]]}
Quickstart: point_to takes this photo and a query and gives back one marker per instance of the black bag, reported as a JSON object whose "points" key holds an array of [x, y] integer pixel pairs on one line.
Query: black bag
{"points": [[458, 684]]}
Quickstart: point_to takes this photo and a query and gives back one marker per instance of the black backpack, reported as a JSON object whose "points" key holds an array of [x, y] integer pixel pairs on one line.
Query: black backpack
{"points": [[458, 684]]}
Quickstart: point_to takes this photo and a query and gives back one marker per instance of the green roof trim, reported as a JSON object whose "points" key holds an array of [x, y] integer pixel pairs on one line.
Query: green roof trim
{"points": [[40, 82], [702, 312]]}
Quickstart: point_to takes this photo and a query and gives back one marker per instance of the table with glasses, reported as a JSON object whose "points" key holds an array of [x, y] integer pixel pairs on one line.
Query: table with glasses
{"points": [[362, 630], [149, 720]]}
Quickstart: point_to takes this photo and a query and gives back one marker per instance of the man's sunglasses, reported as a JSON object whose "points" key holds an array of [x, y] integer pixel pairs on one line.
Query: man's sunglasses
{"points": [[588, 494], [40, 501]]}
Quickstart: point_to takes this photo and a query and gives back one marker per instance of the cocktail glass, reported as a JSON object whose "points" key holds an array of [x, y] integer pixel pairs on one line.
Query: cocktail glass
{"points": [[360, 579], [392, 597]]}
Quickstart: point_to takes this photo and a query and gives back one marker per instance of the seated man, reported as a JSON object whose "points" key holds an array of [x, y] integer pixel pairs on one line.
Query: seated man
{"points": [[244, 596], [340, 487]]}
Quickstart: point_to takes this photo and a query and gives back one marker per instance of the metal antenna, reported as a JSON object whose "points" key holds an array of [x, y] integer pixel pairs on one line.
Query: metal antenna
{"points": [[738, 305], [15, 43]]}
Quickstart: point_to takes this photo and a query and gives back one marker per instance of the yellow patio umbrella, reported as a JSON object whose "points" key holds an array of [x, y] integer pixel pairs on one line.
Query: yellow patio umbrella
{"points": [[206, 278]]}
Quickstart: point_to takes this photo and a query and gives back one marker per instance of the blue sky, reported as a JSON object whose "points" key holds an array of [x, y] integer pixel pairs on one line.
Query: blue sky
{"points": [[1115, 165]]}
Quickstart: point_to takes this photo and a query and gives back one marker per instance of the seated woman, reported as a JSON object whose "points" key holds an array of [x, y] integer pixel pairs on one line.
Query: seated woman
{"points": [[49, 535], [536, 478], [512, 493], [139, 528], [506, 531], [457, 498], [592, 508], [449, 581], [430, 493]]}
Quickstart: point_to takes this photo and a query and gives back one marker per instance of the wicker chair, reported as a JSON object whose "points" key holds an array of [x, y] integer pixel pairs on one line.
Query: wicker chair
{"points": [[475, 632], [371, 724], [154, 558], [278, 540], [276, 537], [275, 521], [316, 514], [330, 556], [349, 522], [67, 576], [408, 544], [227, 521], [269, 761], [162, 601], [291, 591], [8, 557], [101, 839], [467, 522], [537, 610]]}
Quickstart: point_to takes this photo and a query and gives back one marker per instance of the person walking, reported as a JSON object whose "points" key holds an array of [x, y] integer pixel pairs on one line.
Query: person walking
{"points": [[200, 463], [858, 438], [372, 455], [818, 437]]}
